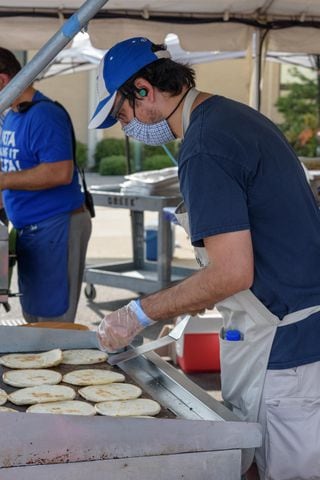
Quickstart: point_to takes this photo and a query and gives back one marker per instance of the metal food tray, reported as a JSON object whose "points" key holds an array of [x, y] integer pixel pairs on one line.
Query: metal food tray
{"points": [[68, 447], [163, 177]]}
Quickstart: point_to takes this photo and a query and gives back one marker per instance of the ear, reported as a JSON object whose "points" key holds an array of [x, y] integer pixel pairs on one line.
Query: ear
{"points": [[144, 89], [4, 80]]}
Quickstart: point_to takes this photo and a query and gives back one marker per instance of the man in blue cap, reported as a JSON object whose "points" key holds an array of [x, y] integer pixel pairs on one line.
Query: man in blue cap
{"points": [[256, 224]]}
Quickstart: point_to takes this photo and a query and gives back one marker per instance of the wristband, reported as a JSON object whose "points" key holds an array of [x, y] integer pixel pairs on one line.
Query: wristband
{"points": [[143, 319]]}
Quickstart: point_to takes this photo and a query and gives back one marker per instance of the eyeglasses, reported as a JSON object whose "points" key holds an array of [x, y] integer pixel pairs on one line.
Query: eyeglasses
{"points": [[116, 109]]}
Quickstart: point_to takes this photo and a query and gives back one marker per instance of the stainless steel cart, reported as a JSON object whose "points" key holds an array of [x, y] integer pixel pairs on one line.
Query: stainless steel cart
{"points": [[139, 275]]}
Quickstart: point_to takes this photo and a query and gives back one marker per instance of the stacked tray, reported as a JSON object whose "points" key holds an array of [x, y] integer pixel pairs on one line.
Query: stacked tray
{"points": [[154, 182]]}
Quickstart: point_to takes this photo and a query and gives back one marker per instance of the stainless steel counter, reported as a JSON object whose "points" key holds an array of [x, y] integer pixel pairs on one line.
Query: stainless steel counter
{"points": [[204, 441]]}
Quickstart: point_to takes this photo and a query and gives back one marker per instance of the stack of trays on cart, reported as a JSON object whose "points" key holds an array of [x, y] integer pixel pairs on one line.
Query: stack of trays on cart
{"points": [[154, 182]]}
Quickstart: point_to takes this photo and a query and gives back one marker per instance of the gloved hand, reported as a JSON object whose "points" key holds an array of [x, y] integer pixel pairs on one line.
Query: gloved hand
{"points": [[119, 328]]}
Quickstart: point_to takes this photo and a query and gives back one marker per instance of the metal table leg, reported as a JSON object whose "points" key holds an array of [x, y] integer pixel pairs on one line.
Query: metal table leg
{"points": [[164, 250], [137, 231]]}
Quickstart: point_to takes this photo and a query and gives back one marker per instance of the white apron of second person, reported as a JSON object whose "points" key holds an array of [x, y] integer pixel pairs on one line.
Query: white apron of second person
{"points": [[244, 363]]}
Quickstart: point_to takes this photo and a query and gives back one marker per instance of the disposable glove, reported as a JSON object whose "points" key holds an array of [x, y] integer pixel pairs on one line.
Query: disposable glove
{"points": [[119, 328]]}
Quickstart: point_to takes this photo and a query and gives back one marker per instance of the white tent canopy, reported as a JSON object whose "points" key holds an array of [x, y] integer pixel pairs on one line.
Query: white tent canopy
{"points": [[223, 25], [220, 25], [292, 25], [294, 59], [82, 55]]}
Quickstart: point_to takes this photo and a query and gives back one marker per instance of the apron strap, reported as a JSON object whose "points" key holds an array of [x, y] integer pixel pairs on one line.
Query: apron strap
{"points": [[298, 315], [250, 302], [190, 98]]}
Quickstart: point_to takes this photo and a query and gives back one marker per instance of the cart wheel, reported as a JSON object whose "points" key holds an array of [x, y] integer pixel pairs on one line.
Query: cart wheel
{"points": [[90, 291]]}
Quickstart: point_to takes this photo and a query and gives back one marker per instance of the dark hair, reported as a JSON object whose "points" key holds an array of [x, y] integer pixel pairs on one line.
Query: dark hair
{"points": [[164, 74], [8, 63]]}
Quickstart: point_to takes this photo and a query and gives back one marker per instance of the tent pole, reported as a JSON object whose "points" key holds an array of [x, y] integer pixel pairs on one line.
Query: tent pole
{"points": [[47, 53], [257, 68], [93, 135]]}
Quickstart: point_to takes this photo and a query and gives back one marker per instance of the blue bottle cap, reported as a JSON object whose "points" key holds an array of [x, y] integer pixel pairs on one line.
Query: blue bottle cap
{"points": [[232, 335]]}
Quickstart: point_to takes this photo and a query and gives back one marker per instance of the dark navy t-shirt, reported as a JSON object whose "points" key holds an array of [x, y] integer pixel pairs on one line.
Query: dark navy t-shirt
{"points": [[238, 172]]}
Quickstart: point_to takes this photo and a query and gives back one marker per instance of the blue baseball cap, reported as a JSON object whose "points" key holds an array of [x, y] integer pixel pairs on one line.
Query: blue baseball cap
{"points": [[119, 64]]}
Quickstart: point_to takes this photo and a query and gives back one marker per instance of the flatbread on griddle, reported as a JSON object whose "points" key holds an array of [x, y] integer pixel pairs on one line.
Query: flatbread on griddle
{"points": [[113, 391], [129, 408], [7, 409], [41, 394], [92, 377], [83, 356], [70, 407], [32, 360], [142, 416], [3, 396], [31, 377]]}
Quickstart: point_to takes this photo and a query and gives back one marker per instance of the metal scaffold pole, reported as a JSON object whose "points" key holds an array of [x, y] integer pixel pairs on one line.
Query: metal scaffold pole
{"points": [[48, 52]]}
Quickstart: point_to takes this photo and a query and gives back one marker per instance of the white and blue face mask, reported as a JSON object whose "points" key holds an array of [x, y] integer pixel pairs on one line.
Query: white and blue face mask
{"points": [[158, 133], [149, 133]]}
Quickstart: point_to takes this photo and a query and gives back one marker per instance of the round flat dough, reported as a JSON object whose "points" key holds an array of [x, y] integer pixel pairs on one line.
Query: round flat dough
{"points": [[92, 377], [3, 396], [129, 408], [7, 409], [32, 360], [31, 377], [71, 407], [142, 416], [113, 391], [40, 394], [83, 356]]}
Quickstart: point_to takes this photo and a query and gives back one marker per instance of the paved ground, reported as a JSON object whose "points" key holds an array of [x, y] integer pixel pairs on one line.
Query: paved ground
{"points": [[111, 242]]}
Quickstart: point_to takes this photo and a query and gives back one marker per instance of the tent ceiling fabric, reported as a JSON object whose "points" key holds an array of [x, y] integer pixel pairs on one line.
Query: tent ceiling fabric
{"points": [[223, 37], [294, 25], [22, 33], [249, 8]]}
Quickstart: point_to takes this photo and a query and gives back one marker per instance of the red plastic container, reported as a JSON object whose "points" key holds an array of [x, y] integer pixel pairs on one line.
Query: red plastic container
{"points": [[201, 353], [198, 350]]}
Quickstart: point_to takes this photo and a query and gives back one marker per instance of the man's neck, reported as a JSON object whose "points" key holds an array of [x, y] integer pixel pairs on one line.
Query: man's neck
{"points": [[176, 121], [26, 96]]}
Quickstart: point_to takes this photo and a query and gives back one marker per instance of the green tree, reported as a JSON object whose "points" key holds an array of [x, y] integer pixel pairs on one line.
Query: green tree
{"points": [[299, 107]]}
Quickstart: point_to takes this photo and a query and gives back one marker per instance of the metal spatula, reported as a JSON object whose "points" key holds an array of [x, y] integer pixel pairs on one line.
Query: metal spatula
{"points": [[133, 352]]}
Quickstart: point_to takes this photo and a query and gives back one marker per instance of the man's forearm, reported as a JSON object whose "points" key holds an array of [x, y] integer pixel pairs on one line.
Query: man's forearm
{"points": [[201, 290], [230, 270], [43, 176]]}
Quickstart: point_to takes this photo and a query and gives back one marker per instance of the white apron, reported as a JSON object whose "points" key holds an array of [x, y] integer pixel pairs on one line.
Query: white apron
{"points": [[244, 363]]}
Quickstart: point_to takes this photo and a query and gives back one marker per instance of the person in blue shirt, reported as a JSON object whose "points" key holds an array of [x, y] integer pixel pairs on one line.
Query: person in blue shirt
{"points": [[255, 225], [43, 201]]}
